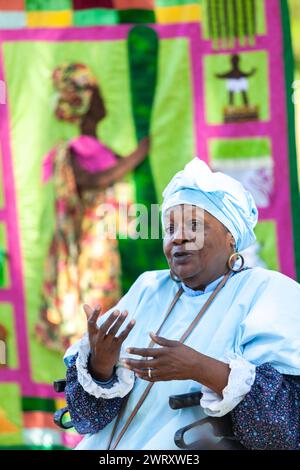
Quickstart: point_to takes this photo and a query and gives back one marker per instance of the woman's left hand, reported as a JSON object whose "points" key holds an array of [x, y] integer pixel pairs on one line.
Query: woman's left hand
{"points": [[173, 361]]}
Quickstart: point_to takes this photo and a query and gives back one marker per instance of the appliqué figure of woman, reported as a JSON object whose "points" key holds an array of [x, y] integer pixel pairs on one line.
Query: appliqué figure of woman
{"points": [[83, 265]]}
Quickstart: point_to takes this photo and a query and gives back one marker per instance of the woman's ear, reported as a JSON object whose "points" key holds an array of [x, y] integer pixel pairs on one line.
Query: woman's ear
{"points": [[232, 241]]}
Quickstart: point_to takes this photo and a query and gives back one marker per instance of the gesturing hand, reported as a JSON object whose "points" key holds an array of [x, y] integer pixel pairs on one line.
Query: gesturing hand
{"points": [[105, 345], [173, 361]]}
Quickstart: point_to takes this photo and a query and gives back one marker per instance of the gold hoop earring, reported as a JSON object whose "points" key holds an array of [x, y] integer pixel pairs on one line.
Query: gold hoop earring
{"points": [[231, 261], [174, 277]]}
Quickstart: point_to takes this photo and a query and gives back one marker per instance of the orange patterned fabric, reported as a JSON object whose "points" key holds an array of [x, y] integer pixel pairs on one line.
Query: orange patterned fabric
{"points": [[82, 266]]}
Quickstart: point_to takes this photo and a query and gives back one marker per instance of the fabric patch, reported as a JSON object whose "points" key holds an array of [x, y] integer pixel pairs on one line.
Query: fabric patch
{"points": [[95, 16], [39, 419], [87, 4], [178, 14], [38, 404], [136, 16], [48, 5], [12, 19], [42, 437], [41, 19], [12, 5], [134, 4], [237, 87], [229, 21], [249, 161]]}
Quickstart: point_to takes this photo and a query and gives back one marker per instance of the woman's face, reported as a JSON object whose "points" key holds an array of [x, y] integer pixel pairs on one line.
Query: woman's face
{"points": [[196, 245], [71, 104], [76, 87], [74, 103]]}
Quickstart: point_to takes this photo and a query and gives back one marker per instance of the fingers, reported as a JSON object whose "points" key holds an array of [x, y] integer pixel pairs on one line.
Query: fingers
{"points": [[87, 310], [108, 322], [153, 377], [135, 364], [122, 336], [163, 341], [115, 328], [144, 352], [91, 315], [141, 368]]}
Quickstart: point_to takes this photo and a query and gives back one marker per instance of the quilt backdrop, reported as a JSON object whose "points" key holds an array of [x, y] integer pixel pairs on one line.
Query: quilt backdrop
{"points": [[210, 78]]}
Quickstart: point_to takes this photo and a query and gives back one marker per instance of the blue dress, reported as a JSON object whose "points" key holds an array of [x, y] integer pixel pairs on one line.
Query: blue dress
{"points": [[255, 316], [268, 418]]}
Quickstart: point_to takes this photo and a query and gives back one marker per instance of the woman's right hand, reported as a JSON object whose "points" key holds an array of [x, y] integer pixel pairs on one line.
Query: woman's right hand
{"points": [[105, 345], [141, 152]]}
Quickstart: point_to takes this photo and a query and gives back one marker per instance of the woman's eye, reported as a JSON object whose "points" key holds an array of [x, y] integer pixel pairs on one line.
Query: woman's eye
{"points": [[169, 229], [196, 225], [193, 225]]}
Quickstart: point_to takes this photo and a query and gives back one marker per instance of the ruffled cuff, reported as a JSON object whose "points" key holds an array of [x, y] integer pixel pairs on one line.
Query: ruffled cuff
{"points": [[240, 381], [107, 383], [120, 388]]}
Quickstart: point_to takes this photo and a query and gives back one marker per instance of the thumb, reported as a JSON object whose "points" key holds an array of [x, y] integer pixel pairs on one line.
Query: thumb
{"points": [[91, 314]]}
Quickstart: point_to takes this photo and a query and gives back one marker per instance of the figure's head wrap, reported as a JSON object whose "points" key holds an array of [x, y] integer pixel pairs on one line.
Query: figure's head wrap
{"points": [[220, 195], [74, 84]]}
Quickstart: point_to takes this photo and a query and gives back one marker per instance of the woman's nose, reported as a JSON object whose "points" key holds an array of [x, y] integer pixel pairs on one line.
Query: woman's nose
{"points": [[180, 236]]}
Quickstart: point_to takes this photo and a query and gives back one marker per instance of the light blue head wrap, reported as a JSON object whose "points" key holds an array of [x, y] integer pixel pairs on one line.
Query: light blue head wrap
{"points": [[220, 195]]}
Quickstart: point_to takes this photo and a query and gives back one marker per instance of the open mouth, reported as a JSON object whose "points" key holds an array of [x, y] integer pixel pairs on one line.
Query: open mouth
{"points": [[181, 256]]}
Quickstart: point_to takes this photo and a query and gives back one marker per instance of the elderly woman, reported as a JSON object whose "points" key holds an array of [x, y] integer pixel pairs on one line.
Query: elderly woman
{"points": [[206, 324]]}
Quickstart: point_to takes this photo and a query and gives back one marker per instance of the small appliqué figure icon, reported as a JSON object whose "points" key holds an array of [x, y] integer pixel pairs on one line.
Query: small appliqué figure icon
{"points": [[237, 82]]}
